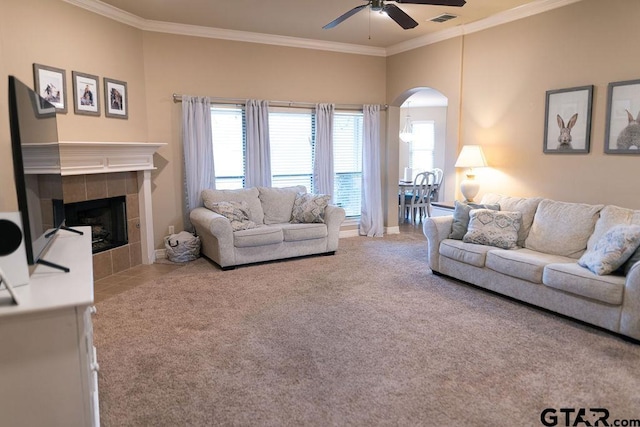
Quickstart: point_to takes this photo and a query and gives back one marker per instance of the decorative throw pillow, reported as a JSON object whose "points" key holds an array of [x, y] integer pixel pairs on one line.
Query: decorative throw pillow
{"points": [[461, 217], [612, 250], [309, 207], [493, 228], [526, 205], [236, 212]]}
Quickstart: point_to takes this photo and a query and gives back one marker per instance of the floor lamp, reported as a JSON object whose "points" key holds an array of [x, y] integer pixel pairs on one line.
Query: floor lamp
{"points": [[471, 156]]}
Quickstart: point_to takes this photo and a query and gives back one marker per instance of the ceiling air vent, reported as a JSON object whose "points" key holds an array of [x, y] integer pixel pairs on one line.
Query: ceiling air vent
{"points": [[443, 18]]}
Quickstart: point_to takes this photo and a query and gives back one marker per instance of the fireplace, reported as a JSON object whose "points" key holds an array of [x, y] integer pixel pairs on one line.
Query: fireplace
{"points": [[106, 217]]}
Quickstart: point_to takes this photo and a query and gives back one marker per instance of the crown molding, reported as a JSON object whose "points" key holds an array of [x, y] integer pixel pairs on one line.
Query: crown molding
{"points": [[520, 12], [248, 37], [108, 11], [524, 11]]}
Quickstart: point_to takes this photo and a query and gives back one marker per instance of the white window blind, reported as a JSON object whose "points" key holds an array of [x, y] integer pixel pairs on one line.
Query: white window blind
{"points": [[227, 126], [291, 135], [422, 147], [347, 163]]}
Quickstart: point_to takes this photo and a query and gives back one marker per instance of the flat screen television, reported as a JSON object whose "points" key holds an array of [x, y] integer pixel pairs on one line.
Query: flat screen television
{"points": [[34, 138]]}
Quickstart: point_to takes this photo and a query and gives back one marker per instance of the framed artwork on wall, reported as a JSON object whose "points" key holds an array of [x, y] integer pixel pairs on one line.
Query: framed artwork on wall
{"points": [[86, 94], [567, 126], [115, 99], [622, 134], [50, 83]]}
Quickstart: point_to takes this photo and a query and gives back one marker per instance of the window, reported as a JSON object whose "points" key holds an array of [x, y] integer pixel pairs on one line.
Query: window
{"points": [[347, 161], [422, 147], [291, 134], [227, 126]]}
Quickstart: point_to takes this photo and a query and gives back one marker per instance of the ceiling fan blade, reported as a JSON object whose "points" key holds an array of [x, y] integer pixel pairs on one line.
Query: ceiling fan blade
{"points": [[456, 3], [398, 15], [344, 16]]}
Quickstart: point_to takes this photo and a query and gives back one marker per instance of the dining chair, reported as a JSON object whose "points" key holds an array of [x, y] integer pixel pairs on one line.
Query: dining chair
{"points": [[419, 201], [435, 190]]}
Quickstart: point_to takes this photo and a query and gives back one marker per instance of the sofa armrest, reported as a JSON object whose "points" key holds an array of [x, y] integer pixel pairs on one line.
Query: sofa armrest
{"points": [[216, 235], [436, 229], [630, 317], [333, 217]]}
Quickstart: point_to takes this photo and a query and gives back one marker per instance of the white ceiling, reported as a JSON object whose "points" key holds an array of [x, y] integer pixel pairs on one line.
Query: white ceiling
{"points": [[304, 19]]}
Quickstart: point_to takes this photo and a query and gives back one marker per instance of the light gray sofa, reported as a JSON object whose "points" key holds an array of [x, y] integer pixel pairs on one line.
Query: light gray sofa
{"points": [[543, 268], [271, 235]]}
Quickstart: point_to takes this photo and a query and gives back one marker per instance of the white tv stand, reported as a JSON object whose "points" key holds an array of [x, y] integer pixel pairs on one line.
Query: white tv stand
{"points": [[48, 366]]}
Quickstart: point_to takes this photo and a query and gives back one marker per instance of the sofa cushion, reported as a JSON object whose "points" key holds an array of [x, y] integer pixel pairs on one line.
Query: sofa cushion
{"points": [[249, 195], [611, 216], [260, 236], [526, 206], [577, 280], [561, 228], [523, 264], [303, 231], [461, 217], [612, 250], [469, 253], [277, 203], [309, 208], [494, 228], [236, 212]]}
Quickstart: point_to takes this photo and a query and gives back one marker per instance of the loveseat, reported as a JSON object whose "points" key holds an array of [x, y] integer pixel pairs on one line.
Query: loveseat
{"points": [[258, 224], [575, 259]]}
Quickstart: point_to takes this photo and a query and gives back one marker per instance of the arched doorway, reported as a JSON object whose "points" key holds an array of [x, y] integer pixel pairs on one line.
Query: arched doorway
{"points": [[423, 123]]}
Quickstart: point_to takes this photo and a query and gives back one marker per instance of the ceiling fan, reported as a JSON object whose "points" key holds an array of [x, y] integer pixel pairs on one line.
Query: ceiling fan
{"points": [[394, 12]]}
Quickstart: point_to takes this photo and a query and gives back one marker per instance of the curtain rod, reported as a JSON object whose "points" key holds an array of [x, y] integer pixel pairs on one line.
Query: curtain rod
{"points": [[291, 104]]}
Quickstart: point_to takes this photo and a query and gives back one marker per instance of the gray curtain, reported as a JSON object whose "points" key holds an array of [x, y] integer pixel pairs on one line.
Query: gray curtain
{"points": [[198, 152], [323, 154], [371, 220], [258, 158]]}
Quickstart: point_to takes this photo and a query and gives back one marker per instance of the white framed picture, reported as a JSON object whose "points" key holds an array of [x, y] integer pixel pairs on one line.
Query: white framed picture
{"points": [[115, 99], [86, 94], [50, 83]]}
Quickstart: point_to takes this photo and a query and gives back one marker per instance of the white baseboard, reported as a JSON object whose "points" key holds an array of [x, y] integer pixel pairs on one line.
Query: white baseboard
{"points": [[392, 230]]}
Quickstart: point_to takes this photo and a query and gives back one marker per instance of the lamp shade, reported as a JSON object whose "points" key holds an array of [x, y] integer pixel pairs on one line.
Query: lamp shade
{"points": [[471, 156]]}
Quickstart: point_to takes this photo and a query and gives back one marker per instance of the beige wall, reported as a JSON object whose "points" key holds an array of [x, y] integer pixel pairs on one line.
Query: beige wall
{"points": [[437, 66], [218, 68], [74, 40], [506, 71], [495, 81]]}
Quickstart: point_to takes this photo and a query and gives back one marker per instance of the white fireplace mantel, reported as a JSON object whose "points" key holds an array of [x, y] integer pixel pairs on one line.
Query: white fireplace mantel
{"points": [[83, 158]]}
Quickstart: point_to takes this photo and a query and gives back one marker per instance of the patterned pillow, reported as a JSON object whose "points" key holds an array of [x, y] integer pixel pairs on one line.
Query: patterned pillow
{"points": [[461, 217], [309, 207], [612, 250], [493, 228], [236, 212]]}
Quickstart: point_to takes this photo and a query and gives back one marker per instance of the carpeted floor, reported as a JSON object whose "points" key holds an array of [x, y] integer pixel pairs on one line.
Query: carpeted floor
{"points": [[366, 337]]}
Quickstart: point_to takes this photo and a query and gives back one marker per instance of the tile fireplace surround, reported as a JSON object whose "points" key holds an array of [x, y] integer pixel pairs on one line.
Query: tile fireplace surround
{"points": [[96, 170]]}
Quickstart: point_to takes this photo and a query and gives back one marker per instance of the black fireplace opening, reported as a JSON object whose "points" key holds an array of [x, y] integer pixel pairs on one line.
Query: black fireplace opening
{"points": [[106, 217]]}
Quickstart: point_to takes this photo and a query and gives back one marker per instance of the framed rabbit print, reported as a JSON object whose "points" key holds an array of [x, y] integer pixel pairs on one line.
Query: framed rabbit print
{"points": [[567, 126], [622, 135]]}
